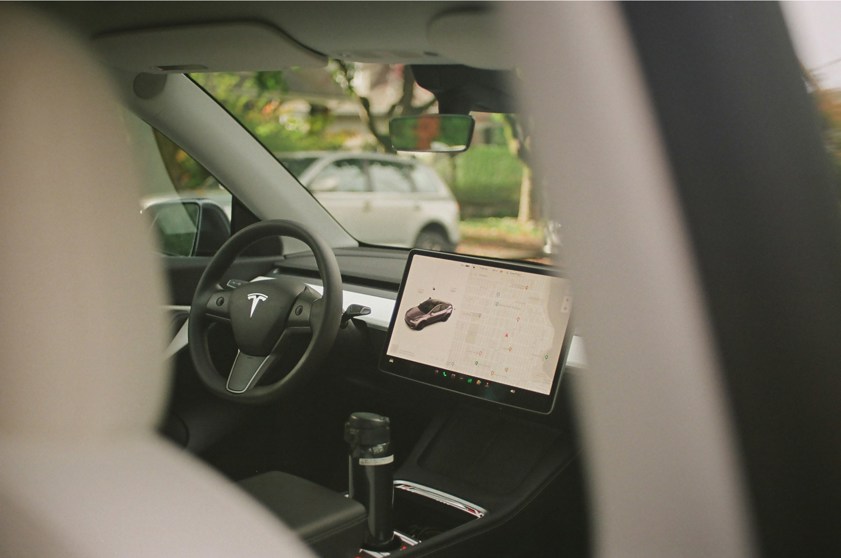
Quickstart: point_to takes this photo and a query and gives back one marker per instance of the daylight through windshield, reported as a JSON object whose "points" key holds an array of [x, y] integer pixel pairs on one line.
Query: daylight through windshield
{"points": [[329, 128]]}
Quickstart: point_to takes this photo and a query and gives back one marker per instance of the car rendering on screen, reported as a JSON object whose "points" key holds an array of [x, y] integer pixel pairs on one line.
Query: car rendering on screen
{"points": [[428, 312]]}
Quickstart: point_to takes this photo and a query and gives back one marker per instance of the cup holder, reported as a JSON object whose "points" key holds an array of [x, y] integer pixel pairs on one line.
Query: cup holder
{"points": [[421, 512]]}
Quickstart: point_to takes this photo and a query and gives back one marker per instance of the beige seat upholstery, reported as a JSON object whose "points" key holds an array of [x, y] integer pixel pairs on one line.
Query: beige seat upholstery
{"points": [[82, 382]]}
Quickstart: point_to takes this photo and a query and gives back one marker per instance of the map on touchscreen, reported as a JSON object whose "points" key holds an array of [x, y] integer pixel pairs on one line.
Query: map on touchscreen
{"points": [[485, 323]]}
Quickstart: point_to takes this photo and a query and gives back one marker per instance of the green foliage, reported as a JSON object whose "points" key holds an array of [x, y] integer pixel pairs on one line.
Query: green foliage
{"points": [[258, 100], [271, 82], [487, 181], [278, 139], [501, 133], [184, 171]]}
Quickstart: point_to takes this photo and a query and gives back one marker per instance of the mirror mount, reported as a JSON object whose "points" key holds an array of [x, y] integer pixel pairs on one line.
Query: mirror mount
{"points": [[453, 102]]}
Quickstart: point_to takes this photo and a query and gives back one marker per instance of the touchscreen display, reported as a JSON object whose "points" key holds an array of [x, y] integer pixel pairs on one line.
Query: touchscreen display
{"points": [[493, 330]]}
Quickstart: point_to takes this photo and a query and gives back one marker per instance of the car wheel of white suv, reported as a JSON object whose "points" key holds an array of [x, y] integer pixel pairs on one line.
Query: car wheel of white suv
{"points": [[433, 239]]}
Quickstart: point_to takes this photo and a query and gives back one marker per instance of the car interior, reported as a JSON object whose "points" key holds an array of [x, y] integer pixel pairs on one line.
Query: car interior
{"points": [[262, 382]]}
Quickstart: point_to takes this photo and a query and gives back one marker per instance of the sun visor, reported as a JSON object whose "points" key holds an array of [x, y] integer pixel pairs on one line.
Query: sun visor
{"points": [[472, 37], [212, 47]]}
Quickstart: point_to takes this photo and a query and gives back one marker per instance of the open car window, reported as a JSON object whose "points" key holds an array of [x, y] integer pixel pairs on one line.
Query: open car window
{"points": [[427, 305]]}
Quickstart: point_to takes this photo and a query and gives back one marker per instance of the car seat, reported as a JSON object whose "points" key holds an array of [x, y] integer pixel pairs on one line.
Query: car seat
{"points": [[82, 470]]}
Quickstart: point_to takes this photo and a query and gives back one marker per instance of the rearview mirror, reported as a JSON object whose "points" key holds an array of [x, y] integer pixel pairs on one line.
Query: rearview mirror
{"points": [[435, 133]]}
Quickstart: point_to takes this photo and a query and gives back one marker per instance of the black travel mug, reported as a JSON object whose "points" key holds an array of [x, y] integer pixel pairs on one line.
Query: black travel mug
{"points": [[371, 475]]}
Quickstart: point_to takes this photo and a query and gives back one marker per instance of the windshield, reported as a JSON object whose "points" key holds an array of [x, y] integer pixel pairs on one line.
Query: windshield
{"points": [[428, 305], [297, 165], [329, 128]]}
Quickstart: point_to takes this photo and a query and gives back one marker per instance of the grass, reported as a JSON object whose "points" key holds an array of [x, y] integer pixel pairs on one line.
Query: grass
{"points": [[502, 238], [503, 229]]}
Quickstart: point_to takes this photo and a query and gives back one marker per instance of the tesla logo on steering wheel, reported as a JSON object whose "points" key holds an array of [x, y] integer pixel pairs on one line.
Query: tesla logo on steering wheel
{"points": [[255, 298]]}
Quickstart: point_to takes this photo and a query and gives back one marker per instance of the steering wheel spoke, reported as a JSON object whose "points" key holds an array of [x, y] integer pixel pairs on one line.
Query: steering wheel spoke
{"points": [[217, 307], [247, 371], [305, 312]]}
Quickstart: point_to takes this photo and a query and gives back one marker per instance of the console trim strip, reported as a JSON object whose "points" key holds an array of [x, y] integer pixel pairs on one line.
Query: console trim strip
{"points": [[405, 539], [477, 512]]}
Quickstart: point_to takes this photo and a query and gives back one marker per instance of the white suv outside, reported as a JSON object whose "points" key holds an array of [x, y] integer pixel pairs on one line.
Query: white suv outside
{"points": [[380, 199]]}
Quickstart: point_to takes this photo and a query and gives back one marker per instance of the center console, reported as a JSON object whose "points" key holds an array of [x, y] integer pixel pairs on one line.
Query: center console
{"points": [[492, 331], [475, 471], [479, 348]]}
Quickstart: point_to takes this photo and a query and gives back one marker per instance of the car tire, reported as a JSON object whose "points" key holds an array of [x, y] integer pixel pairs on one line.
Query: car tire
{"points": [[433, 239]]}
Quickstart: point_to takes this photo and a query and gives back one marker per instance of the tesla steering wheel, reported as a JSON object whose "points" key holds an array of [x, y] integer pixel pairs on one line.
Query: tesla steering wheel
{"points": [[263, 314]]}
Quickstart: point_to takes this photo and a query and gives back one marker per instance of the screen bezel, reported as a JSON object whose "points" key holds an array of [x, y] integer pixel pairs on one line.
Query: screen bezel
{"points": [[496, 393]]}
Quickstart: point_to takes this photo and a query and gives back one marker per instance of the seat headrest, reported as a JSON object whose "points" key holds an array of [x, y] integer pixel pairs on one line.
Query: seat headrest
{"points": [[80, 291]]}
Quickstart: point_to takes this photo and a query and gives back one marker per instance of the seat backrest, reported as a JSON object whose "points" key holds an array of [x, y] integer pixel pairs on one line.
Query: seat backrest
{"points": [[82, 380]]}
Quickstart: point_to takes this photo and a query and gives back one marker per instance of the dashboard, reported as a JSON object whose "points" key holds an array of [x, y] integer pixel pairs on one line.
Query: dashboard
{"points": [[371, 278]]}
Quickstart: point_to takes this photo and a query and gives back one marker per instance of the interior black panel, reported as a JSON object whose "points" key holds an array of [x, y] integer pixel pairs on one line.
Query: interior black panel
{"points": [[374, 267], [183, 274]]}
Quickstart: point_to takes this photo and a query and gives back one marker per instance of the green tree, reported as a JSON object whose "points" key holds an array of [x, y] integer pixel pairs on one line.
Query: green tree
{"points": [[343, 74], [260, 100], [486, 180], [184, 171]]}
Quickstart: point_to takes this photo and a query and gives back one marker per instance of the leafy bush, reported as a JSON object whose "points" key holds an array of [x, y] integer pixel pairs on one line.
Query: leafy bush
{"points": [[486, 181]]}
